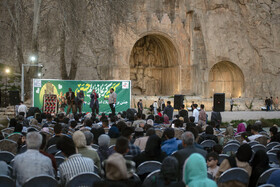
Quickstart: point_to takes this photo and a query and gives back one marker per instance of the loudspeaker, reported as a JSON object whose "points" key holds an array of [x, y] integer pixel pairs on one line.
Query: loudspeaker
{"points": [[178, 101], [14, 97], [219, 102]]}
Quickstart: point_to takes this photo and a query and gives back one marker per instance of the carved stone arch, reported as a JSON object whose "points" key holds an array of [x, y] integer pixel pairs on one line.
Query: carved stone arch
{"points": [[226, 77], [154, 66]]}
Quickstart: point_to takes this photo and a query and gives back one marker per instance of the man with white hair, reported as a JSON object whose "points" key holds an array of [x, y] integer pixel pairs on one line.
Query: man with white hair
{"points": [[189, 148], [31, 163]]}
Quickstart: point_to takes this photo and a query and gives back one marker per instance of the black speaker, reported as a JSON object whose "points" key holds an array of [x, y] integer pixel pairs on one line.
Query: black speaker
{"points": [[219, 102], [14, 97], [178, 101]]}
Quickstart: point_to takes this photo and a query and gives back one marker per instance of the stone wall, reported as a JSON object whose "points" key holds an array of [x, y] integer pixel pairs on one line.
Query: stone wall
{"points": [[166, 47]]}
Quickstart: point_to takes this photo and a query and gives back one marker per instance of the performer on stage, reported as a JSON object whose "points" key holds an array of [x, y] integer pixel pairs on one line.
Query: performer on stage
{"points": [[94, 104], [70, 96], [80, 100], [112, 100]]}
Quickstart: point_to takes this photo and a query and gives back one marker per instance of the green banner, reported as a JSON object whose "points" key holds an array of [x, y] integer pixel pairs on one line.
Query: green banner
{"points": [[60, 87]]}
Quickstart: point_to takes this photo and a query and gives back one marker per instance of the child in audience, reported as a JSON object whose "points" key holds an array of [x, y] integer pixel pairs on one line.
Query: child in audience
{"points": [[212, 163]]}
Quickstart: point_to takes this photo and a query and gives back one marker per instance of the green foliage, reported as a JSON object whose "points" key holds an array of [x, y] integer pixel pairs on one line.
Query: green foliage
{"points": [[265, 122]]}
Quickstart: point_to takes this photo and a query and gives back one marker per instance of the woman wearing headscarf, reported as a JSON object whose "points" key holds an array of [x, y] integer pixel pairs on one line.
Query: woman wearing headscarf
{"points": [[169, 175], [241, 160], [259, 164], [166, 119], [79, 139], [195, 172], [229, 134], [240, 128], [152, 151], [103, 150]]}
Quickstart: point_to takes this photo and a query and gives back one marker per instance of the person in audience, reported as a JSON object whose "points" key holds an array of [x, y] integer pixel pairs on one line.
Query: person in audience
{"points": [[116, 166], [89, 139], [274, 177], [202, 117], [170, 144], [166, 119], [13, 122], [114, 133], [191, 122], [4, 170], [260, 164], [22, 108], [152, 151], [31, 163], [96, 133], [80, 143], [142, 141], [183, 113], [229, 134], [133, 149], [212, 163], [255, 133], [208, 135], [274, 134], [138, 133], [168, 174], [240, 128], [195, 113], [168, 110], [217, 118], [195, 172], [241, 160], [218, 149], [189, 148], [103, 150], [74, 164], [58, 133], [139, 122], [42, 151], [244, 137]]}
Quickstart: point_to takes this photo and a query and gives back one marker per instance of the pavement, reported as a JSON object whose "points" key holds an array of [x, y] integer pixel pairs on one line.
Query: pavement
{"points": [[228, 116], [247, 115]]}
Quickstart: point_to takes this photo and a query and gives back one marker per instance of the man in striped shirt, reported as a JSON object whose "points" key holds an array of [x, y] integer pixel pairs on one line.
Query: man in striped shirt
{"points": [[75, 164]]}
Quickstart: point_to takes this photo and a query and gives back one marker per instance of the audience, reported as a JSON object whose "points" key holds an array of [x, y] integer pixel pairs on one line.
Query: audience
{"points": [[74, 136], [103, 150], [241, 160], [208, 135], [31, 163], [212, 163], [152, 151], [189, 148], [170, 145], [133, 149], [75, 163], [195, 172], [80, 143], [58, 132], [260, 163], [142, 141]]}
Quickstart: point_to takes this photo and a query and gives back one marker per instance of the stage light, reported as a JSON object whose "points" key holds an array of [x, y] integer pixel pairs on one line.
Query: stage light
{"points": [[7, 70], [33, 58]]}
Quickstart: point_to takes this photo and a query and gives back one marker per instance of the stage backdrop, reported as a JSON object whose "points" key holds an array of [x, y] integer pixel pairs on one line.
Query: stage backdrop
{"points": [[60, 87]]}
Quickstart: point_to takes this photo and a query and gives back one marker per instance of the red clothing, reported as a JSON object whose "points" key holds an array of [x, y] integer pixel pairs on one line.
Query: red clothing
{"points": [[51, 157], [159, 114]]}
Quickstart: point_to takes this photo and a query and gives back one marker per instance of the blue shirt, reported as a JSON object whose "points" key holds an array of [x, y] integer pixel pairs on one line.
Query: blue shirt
{"points": [[170, 145]]}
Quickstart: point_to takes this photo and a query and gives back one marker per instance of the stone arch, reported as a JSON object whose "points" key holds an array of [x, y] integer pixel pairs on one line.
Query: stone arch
{"points": [[154, 66], [226, 77]]}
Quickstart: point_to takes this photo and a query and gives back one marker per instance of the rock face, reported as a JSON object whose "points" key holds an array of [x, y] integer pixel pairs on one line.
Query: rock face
{"points": [[166, 47]]}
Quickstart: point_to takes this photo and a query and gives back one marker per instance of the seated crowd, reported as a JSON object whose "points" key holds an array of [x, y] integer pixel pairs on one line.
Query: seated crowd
{"points": [[186, 151]]}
